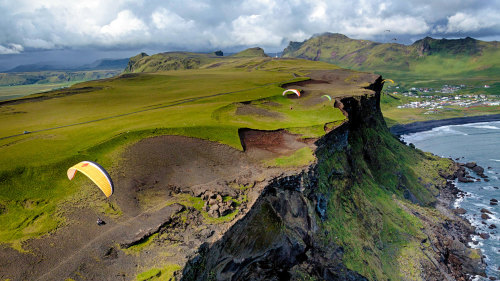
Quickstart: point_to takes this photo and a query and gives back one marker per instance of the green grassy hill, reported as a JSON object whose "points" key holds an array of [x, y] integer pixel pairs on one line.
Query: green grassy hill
{"points": [[251, 52], [183, 60], [167, 61], [95, 119], [48, 77], [15, 85], [426, 57]]}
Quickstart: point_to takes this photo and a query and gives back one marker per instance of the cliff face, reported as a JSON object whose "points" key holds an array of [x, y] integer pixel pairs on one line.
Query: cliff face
{"points": [[365, 210]]}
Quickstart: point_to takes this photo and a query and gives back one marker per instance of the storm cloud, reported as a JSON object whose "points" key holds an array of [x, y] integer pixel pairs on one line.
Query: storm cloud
{"points": [[202, 25]]}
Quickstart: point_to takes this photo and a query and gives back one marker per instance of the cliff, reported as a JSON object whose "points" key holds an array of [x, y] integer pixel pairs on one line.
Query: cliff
{"points": [[367, 210]]}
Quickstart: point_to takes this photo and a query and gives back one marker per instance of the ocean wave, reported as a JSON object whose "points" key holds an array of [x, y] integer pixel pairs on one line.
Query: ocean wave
{"points": [[496, 160], [481, 205], [483, 125], [486, 127], [478, 239], [435, 132]]}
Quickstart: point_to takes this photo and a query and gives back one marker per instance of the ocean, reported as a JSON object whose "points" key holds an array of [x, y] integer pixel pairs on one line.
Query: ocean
{"points": [[480, 143]]}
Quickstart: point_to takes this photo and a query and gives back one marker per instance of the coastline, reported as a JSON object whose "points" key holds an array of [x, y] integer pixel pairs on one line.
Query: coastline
{"points": [[420, 126], [468, 198]]}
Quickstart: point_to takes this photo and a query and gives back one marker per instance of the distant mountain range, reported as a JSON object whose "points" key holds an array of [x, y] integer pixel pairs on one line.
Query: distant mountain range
{"points": [[428, 56], [102, 64]]}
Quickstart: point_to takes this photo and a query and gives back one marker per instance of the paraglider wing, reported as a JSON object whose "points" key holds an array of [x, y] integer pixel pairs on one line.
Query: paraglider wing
{"points": [[297, 92], [388, 80], [96, 173], [327, 96]]}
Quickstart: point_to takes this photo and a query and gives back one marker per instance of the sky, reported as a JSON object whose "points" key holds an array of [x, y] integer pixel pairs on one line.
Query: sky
{"points": [[70, 32]]}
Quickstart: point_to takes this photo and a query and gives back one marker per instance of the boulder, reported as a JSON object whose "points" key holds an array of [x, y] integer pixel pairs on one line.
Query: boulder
{"points": [[459, 211], [478, 170], [214, 213], [485, 217], [470, 165], [484, 235], [206, 233], [483, 210], [465, 180], [492, 226], [205, 196]]}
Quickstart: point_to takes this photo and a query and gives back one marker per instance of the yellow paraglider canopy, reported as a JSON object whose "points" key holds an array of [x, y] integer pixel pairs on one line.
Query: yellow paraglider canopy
{"points": [[96, 173], [388, 80]]}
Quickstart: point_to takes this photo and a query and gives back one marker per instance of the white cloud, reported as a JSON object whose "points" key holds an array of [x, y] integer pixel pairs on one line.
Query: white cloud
{"points": [[11, 49], [209, 24], [369, 26], [254, 30], [463, 22], [318, 13], [38, 43], [165, 19], [125, 23]]}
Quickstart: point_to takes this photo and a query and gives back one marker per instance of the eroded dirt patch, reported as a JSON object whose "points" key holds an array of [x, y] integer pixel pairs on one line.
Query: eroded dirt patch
{"points": [[278, 142], [176, 164]]}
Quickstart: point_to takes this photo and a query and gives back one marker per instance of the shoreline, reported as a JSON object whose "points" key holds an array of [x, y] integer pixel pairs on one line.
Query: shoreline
{"points": [[420, 126]]}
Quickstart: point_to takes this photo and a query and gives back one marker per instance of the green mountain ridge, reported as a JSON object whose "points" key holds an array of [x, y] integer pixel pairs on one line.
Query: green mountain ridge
{"points": [[183, 60], [428, 56], [251, 52]]}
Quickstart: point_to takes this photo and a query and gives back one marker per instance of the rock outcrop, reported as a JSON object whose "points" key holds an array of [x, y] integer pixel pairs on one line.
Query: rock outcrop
{"points": [[309, 225]]}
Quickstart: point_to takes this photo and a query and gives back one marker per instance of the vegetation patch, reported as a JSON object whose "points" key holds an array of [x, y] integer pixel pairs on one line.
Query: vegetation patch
{"points": [[165, 273], [301, 157], [136, 248]]}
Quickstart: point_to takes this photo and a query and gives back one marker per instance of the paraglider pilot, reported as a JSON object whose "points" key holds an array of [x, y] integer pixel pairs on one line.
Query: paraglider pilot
{"points": [[100, 222]]}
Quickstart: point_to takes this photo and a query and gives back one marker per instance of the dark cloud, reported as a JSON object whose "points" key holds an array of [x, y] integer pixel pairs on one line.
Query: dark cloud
{"points": [[197, 25]]}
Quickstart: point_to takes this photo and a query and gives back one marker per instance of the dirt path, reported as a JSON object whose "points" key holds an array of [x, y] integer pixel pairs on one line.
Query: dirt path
{"points": [[123, 231]]}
